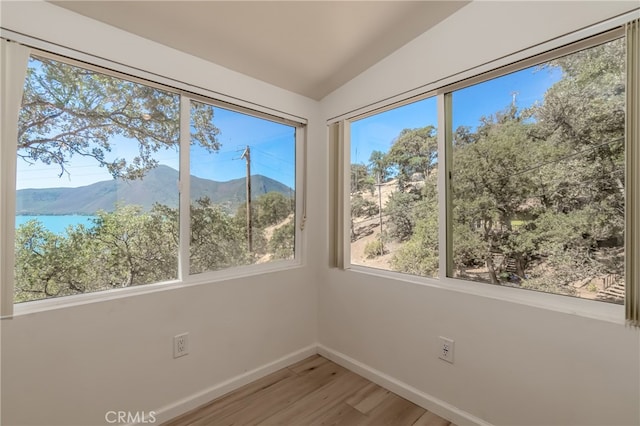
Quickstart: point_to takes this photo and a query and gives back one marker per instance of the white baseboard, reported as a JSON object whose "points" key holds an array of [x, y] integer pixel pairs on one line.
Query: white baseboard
{"points": [[426, 401], [180, 407]]}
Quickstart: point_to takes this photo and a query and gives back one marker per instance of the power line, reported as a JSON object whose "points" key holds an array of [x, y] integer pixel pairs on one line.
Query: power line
{"points": [[269, 154]]}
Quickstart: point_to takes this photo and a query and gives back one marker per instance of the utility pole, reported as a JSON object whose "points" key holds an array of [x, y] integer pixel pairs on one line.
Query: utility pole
{"points": [[247, 156], [379, 185], [514, 95]]}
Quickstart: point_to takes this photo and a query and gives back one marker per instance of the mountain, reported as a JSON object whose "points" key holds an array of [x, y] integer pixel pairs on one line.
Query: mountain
{"points": [[156, 187]]}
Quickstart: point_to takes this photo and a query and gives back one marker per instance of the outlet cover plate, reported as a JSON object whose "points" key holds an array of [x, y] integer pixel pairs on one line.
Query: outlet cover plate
{"points": [[445, 348], [180, 345]]}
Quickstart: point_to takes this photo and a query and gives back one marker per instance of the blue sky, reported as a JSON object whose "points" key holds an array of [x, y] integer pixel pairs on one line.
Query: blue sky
{"points": [[469, 105], [272, 149], [272, 154], [273, 144]]}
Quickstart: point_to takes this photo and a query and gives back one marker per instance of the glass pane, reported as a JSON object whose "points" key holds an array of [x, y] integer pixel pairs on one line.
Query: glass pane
{"points": [[249, 168], [394, 204], [96, 183], [538, 177]]}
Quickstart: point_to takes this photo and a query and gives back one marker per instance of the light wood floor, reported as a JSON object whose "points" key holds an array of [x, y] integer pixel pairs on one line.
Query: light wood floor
{"points": [[314, 391]]}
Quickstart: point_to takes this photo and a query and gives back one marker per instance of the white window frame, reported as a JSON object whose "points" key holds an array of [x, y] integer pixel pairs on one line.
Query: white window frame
{"points": [[186, 93], [570, 43]]}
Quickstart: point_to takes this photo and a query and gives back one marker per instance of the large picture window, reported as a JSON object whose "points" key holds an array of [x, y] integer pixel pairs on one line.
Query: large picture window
{"points": [[99, 184], [523, 184], [538, 183]]}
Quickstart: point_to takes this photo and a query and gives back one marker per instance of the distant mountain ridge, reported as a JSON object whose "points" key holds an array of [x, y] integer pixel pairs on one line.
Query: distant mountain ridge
{"points": [[158, 186]]}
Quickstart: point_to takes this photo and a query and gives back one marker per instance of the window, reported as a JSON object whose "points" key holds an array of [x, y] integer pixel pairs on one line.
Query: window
{"points": [[394, 203], [538, 184], [96, 191], [256, 164], [113, 183], [529, 171]]}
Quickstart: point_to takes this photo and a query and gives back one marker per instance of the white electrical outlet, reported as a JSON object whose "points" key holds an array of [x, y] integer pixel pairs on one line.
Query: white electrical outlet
{"points": [[180, 345], [446, 349]]}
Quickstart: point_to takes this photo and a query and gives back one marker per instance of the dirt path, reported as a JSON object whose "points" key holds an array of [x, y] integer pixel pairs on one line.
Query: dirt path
{"points": [[368, 229]]}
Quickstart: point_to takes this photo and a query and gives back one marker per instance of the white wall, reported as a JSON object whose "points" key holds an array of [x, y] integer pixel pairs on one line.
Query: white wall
{"points": [[514, 364], [70, 366]]}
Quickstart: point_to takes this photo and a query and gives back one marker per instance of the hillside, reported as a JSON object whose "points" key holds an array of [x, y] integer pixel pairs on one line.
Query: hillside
{"points": [[367, 230], [87, 200]]}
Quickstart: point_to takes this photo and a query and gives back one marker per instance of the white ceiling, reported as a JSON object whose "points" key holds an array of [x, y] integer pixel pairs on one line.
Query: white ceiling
{"points": [[307, 47]]}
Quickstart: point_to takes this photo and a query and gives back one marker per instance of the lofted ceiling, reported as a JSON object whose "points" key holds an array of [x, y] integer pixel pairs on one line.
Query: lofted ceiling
{"points": [[307, 47]]}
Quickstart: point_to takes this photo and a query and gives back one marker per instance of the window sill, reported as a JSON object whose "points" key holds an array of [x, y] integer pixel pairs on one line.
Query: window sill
{"points": [[38, 306], [591, 309]]}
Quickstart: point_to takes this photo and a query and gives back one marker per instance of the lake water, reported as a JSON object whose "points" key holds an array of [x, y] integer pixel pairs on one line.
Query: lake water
{"points": [[57, 224]]}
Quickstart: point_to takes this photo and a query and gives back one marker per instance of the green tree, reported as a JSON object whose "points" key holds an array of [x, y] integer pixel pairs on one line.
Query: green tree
{"points": [[420, 254], [217, 240], [400, 209], [272, 208], [379, 165], [584, 115], [361, 179], [374, 249], [123, 248], [136, 248], [69, 111], [46, 265], [361, 207], [491, 187], [269, 209], [282, 242], [542, 190], [414, 151]]}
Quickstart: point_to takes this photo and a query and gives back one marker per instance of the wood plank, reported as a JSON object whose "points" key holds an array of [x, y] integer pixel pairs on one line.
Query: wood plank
{"points": [[239, 396], [340, 415], [263, 405], [367, 398], [317, 403], [314, 392], [308, 365], [430, 419], [394, 411]]}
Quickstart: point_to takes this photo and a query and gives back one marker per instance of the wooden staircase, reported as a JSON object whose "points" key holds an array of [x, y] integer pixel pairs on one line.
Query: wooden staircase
{"points": [[614, 293], [511, 265]]}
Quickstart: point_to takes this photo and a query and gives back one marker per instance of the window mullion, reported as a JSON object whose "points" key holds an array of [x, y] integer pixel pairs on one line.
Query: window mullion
{"points": [[15, 58], [632, 207], [344, 148], [444, 185], [184, 185]]}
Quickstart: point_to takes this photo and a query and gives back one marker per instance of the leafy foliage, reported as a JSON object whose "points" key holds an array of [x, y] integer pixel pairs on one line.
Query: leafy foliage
{"points": [[282, 241], [69, 111], [130, 247], [374, 248], [537, 194], [361, 179], [272, 208], [122, 249], [362, 207], [400, 209], [217, 241], [379, 165], [415, 151]]}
